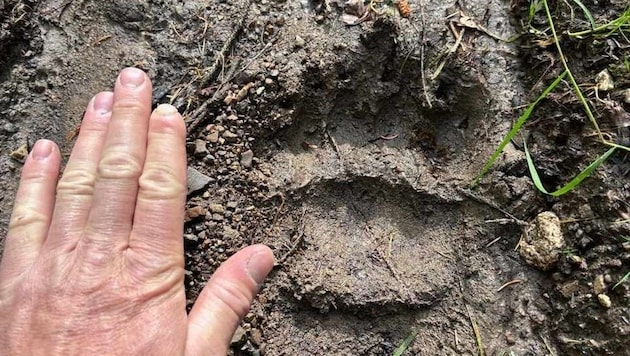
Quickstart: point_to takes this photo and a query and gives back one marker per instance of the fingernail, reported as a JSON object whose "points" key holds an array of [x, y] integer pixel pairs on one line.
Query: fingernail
{"points": [[103, 102], [165, 110], [42, 149], [259, 265], [132, 77]]}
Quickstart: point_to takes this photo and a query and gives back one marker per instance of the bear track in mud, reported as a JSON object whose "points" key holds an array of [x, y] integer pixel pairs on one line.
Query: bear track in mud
{"points": [[381, 231]]}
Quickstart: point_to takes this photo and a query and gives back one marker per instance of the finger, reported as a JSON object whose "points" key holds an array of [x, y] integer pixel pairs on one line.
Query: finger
{"points": [[76, 187], [33, 208], [120, 165], [159, 218], [226, 299]]}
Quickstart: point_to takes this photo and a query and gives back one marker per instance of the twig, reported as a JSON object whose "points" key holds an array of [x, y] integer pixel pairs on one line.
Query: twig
{"points": [[333, 142], [213, 72], [516, 281], [473, 323], [198, 117], [494, 241], [492, 205], [297, 241]]}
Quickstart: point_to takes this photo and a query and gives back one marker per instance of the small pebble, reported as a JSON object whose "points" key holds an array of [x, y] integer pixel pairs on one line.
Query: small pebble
{"points": [[213, 136], [604, 300], [10, 128], [20, 153], [216, 208], [238, 336], [247, 158], [200, 148], [599, 286], [194, 212], [299, 42], [196, 180], [229, 136]]}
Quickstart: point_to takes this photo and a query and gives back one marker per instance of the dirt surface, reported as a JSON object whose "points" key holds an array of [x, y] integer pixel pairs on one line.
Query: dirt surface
{"points": [[349, 150]]}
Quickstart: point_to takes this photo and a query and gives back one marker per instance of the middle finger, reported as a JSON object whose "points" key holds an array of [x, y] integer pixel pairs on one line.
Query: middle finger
{"points": [[110, 218]]}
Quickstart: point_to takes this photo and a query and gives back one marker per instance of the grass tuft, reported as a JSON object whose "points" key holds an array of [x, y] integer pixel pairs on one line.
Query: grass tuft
{"points": [[622, 23]]}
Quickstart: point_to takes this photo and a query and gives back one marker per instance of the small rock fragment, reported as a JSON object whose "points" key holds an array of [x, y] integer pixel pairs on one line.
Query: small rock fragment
{"points": [[229, 136], [575, 259], [599, 286], [256, 336], [568, 289], [247, 158], [604, 81], [20, 154], [10, 128], [604, 300], [542, 243], [200, 148], [194, 212], [238, 336], [213, 136], [299, 42], [626, 96], [229, 233], [196, 180], [216, 208]]}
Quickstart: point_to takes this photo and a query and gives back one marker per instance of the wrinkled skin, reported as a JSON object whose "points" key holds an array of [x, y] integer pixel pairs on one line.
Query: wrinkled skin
{"points": [[94, 264]]}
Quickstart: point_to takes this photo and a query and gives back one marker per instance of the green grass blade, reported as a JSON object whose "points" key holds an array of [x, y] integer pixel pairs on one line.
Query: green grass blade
{"points": [[576, 87], [586, 13], [517, 126], [405, 344], [574, 182], [622, 281]]}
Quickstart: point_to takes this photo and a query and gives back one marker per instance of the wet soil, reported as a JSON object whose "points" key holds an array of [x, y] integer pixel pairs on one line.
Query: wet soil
{"points": [[350, 151]]}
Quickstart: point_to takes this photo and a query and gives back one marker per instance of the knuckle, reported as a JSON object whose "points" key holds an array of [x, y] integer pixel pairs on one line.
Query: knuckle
{"points": [[25, 216], [160, 181], [129, 106], [119, 165], [235, 296], [34, 176], [77, 181]]}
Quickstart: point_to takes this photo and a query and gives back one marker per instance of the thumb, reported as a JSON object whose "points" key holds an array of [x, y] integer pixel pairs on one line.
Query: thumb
{"points": [[226, 299]]}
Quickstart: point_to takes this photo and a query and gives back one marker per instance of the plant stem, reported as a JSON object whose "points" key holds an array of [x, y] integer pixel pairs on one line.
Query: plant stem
{"points": [[578, 92]]}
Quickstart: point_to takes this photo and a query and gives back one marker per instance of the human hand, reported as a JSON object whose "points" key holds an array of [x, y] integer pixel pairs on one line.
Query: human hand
{"points": [[99, 268]]}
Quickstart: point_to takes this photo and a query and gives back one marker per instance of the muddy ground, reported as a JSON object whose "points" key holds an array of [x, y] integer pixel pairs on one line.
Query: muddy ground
{"points": [[350, 149]]}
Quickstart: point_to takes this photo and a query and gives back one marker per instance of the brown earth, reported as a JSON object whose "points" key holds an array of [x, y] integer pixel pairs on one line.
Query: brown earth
{"points": [[338, 146]]}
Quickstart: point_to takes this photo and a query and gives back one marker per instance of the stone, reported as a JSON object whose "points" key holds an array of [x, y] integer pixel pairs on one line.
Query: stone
{"points": [[10, 128], [238, 336], [213, 136], [230, 136], [599, 285], [216, 208], [604, 300], [247, 159], [604, 81], [20, 153], [229, 233], [256, 336], [543, 241], [200, 148], [195, 180], [194, 213], [299, 42]]}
